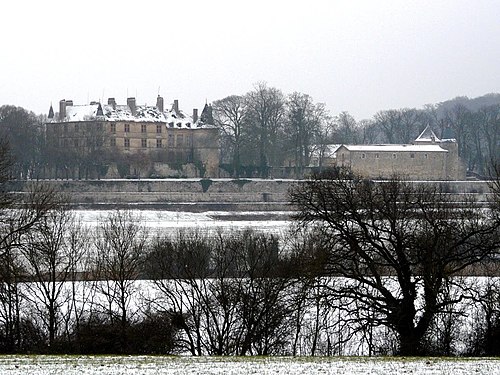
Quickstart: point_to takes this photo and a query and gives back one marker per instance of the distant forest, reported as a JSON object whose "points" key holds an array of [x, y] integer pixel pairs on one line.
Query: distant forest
{"points": [[267, 128]]}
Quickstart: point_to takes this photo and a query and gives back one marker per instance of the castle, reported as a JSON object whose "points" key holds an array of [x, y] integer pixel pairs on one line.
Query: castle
{"points": [[427, 158], [132, 140]]}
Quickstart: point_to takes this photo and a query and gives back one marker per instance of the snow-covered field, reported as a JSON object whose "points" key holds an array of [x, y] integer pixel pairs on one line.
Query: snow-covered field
{"points": [[153, 365], [172, 221]]}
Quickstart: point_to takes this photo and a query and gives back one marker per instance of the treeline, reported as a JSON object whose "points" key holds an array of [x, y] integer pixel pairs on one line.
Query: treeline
{"points": [[267, 128]]}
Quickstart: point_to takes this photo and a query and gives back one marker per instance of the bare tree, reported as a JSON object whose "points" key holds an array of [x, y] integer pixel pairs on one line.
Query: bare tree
{"points": [[120, 245], [396, 244], [266, 110], [20, 214], [304, 124], [22, 130], [346, 129], [226, 293], [230, 115], [50, 258]]}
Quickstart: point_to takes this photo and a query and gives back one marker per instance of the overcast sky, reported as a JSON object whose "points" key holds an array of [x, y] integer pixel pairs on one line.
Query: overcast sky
{"points": [[355, 56]]}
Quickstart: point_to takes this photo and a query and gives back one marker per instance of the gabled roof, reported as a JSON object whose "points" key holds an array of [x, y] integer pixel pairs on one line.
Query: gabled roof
{"points": [[427, 136], [395, 148]]}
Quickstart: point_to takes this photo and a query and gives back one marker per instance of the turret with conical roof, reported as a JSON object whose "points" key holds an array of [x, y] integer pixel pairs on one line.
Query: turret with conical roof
{"points": [[427, 137], [51, 112], [206, 115]]}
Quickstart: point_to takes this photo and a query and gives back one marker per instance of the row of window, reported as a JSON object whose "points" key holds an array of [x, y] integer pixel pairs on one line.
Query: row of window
{"points": [[79, 128], [159, 142], [394, 156], [113, 127], [144, 128]]}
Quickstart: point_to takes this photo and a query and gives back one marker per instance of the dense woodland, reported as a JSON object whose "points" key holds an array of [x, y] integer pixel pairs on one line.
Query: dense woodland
{"points": [[267, 128]]}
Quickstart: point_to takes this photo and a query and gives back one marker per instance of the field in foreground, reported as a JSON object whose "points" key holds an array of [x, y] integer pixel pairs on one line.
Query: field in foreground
{"points": [[151, 365]]}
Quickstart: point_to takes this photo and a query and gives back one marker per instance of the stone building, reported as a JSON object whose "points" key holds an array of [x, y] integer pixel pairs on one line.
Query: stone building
{"points": [[427, 158], [137, 140]]}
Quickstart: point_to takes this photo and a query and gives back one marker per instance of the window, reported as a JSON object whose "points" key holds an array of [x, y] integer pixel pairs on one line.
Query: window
{"points": [[363, 156], [425, 156], [170, 140], [75, 142], [113, 128], [412, 155], [158, 128], [127, 128], [143, 128], [65, 128], [126, 143], [158, 143], [180, 140], [394, 156], [112, 142], [376, 156], [144, 143]]}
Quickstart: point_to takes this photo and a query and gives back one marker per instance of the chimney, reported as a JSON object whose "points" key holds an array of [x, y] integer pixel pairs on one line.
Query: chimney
{"points": [[112, 102], [131, 105], [195, 115], [159, 103], [176, 106], [62, 110], [69, 103]]}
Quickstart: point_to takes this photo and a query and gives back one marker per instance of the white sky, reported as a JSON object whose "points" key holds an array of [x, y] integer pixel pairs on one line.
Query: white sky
{"points": [[355, 56]]}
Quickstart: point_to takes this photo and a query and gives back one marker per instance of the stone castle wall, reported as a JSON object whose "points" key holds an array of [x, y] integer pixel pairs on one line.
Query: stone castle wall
{"points": [[205, 194]]}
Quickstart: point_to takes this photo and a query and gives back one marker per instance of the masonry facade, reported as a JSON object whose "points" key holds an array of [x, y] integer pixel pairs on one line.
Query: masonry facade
{"points": [[133, 140], [427, 158]]}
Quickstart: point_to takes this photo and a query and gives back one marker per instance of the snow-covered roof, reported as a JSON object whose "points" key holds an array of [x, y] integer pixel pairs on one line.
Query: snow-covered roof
{"points": [[427, 136], [143, 113], [395, 148]]}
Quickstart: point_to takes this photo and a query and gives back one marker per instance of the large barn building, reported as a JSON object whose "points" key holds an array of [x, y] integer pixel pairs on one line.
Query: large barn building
{"points": [[427, 158]]}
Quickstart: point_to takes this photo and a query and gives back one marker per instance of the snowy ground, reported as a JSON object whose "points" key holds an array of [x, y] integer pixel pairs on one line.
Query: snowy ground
{"points": [[172, 221], [152, 365]]}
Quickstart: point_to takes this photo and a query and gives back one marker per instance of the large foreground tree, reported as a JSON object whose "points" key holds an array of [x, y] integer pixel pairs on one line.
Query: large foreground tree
{"points": [[396, 244]]}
